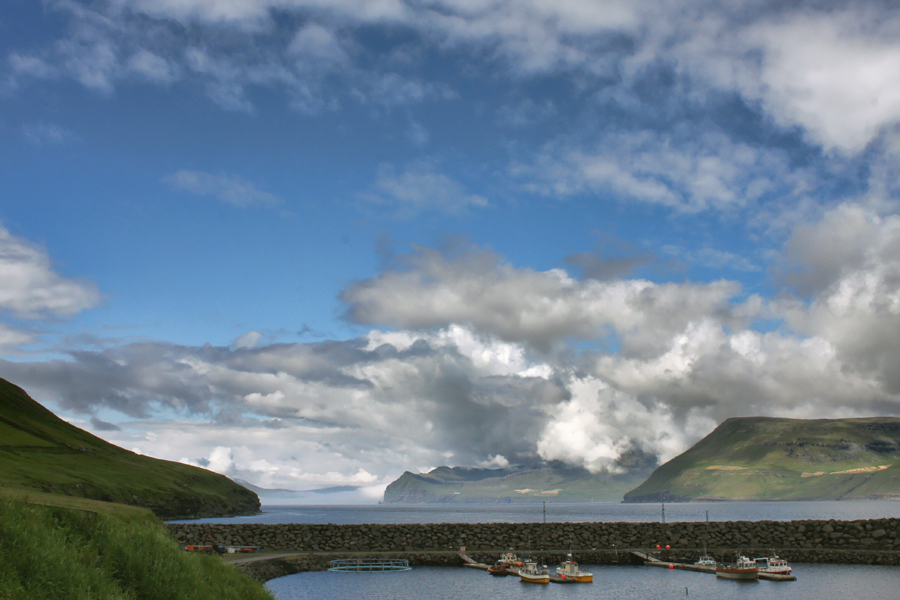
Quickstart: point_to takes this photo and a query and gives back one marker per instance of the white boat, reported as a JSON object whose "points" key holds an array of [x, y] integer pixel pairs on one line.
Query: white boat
{"points": [[743, 569], [570, 570], [706, 561], [531, 572], [510, 560], [773, 564]]}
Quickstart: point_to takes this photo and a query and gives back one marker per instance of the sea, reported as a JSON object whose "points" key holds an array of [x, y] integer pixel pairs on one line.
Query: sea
{"points": [[568, 512], [814, 581]]}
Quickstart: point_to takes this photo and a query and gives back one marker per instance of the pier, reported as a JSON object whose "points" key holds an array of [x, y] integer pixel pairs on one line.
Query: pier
{"points": [[369, 565], [651, 561]]}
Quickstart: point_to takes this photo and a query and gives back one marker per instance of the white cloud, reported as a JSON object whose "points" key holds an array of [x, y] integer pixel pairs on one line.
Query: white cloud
{"points": [[248, 340], [316, 43], [31, 66], [30, 288], [226, 188], [687, 171], [221, 460], [830, 70], [836, 73], [542, 309], [421, 188], [43, 133], [152, 67]]}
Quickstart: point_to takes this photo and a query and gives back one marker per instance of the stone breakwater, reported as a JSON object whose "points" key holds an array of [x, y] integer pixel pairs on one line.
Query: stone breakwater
{"points": [[873, 541]]}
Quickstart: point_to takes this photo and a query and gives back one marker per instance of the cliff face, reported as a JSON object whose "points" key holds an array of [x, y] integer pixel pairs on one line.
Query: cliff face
{"points": [[41, 452], [758, 458]]}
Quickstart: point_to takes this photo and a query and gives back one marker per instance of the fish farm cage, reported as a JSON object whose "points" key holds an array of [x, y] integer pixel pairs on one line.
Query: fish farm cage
{"points": [[369, 565]]}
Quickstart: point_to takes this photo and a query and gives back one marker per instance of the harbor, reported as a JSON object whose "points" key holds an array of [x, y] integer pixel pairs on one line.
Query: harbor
{"points": [[646, 556]]}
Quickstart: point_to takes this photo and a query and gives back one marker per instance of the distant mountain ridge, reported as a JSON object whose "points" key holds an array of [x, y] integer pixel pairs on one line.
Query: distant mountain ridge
{"points": [[762, 458], [41, 452], [516, 484]]}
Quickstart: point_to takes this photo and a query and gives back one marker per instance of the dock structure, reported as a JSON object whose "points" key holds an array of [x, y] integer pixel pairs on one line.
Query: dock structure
{"points": [[468, 561], [369, 565], [652, 561]]}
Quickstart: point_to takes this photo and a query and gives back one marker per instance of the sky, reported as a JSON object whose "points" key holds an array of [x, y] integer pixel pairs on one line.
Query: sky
{"points": [[311, 244]]}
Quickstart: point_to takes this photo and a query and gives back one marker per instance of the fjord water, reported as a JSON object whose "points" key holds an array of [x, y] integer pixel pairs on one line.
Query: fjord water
{"points": [[569, 512], [814, 582]]}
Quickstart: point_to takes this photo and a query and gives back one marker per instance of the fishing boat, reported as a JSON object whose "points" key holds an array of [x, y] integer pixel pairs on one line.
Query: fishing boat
{"points": [[498, 569], [706, 561], [743, 569], [510, 560], [773, 564], [569, 570], [531, 572]]}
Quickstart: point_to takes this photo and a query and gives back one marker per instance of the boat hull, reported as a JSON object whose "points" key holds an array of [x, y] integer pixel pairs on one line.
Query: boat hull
{"points": [[526, 578], [738, 574]]}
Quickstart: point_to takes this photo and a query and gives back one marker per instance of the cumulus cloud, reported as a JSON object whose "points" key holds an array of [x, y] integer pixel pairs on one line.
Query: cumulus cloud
{"points": [[30, 287], [225, 188], [542, 309], [332, 413], [482, 364]]}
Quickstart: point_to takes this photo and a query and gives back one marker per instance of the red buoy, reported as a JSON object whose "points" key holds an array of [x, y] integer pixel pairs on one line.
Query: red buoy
{"points": [[671, 566], [657, 546], [667, 547]]}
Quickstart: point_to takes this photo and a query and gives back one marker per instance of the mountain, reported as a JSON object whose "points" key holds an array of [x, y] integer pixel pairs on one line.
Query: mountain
{"points": [[338, 494], [518, 484], [759, 458], [41, 452]]}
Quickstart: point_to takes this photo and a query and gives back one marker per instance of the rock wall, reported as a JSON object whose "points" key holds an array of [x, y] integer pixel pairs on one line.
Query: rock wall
{"points": [[874, 541]]}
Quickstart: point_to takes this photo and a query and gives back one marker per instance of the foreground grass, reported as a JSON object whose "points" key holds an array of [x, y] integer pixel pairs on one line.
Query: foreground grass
{"points": [[60, 553]]}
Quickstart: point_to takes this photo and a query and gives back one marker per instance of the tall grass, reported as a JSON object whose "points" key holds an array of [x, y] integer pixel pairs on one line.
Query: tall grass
{"points": [[49, 553]]}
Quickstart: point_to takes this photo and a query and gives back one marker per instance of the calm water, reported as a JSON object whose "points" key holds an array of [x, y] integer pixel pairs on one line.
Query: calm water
{"points": [[814, 582], [569, 512]]}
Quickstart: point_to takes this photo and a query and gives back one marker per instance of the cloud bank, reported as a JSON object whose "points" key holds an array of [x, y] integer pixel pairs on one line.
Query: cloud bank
{"points": [[476, 361]]}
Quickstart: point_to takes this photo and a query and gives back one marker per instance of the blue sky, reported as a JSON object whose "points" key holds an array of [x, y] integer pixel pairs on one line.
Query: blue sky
{"points": [[311, 244]]}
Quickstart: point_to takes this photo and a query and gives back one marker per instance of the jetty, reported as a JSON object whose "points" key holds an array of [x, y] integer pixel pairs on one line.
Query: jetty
{"points": [[468, 561], [369, 565], [652, 561]]}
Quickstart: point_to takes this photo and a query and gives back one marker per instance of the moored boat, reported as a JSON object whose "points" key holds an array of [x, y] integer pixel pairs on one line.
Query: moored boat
{"points": [[498, 569], [510, 560], [706, 561], [773, 564], [531, 572], [570, 570], [743, 569]]}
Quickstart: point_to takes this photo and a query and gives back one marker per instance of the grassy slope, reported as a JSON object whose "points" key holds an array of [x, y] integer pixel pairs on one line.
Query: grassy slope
{"points": [[41, 452], [768, 457], [482, 485], [51, 553]]}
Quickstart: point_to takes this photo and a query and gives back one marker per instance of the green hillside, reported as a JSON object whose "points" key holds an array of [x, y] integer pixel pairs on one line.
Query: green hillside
{"points": [[469, 485], [41, 452], [759, 458], [54, 553]]}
